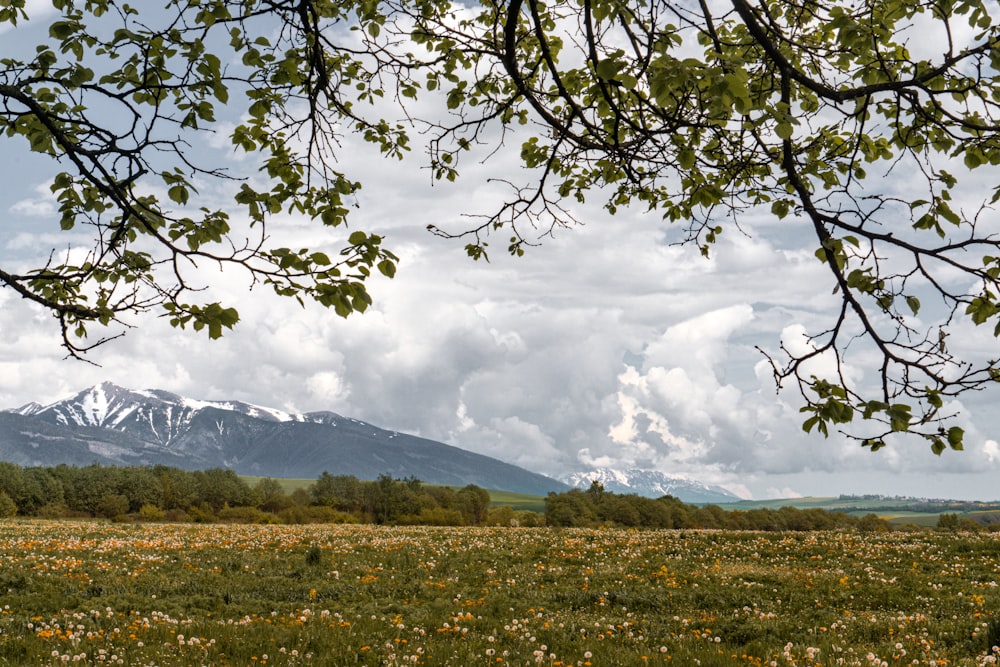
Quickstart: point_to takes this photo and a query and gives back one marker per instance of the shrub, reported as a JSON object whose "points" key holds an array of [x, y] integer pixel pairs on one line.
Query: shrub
{"points": [[246, 515], [527, 519], [54, 511], [501, 516], [178, 515], [112, 505], [150, 512], [201, 513], [8, 507]]}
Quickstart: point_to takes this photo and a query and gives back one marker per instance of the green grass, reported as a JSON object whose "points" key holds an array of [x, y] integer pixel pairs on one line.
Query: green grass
{"points": [[518, 501], [171, 595]]}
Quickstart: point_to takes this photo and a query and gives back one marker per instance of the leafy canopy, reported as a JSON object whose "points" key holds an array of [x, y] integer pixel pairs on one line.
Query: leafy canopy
{"points": [[873, 122], [119, 99]]}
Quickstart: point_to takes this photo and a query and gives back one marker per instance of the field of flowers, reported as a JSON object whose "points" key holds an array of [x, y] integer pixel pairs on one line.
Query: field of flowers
{"points": [[145, 594]]}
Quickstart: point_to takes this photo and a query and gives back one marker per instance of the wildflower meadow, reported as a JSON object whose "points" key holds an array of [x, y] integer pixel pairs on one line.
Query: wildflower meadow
{"points": [[100, 593]]}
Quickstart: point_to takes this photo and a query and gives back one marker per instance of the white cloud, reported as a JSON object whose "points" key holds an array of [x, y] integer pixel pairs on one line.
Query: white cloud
{"points": [[34, 208], [992, 451], [327, 388]]}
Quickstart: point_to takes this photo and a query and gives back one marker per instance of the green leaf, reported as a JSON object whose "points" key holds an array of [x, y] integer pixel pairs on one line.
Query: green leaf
{"points": [[608, 69], [686, 158], [934, 398], [784, 130], [873, 443], [62, 29], [955, 437], [387, 268], [899, 416], [948, 214], [871, 407], [973, 157], [179, 194]]}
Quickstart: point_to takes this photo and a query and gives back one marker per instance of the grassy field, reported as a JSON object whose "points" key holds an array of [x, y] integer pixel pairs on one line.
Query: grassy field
{"points": [[518, 501], [288, 484], [90, 593]]}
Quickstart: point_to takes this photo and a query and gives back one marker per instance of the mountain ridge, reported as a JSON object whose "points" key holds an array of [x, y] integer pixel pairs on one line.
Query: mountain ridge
{"points": [[651, 484], [117, 426]]}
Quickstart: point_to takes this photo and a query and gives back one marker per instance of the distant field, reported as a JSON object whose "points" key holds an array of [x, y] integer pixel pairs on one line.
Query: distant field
{"points": [[850, 506], [288, 484], [895, 510], [517, 501], [925, 519], [173, 595], [777, 503]]}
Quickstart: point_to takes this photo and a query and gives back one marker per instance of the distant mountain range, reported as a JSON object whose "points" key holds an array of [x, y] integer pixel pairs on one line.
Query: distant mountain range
{"points": [[111, 425], [651, 484]]}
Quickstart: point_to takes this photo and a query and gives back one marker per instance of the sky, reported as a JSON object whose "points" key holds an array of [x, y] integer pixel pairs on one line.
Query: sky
{"points": [[607, 345]]}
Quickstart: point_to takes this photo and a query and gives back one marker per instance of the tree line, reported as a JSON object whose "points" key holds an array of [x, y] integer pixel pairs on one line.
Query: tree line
{"points": [[597, 507], [165, 493]]}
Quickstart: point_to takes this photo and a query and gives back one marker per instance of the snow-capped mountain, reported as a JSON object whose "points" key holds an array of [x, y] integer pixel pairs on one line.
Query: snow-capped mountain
{"points": [[156, 416], [651, 484], [112, 425]]}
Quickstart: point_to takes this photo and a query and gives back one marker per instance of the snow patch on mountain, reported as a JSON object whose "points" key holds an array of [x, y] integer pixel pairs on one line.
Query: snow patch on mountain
{"points": [[154, 415], [249, 410], [651, 484], [110, 406], [107, 450], [95, 405], [28, 409]]}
